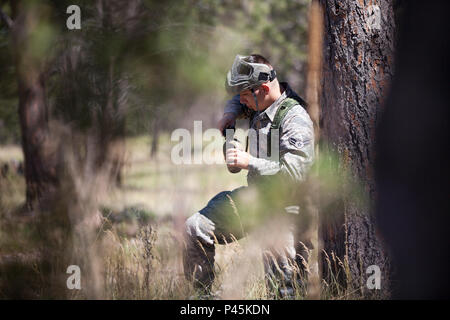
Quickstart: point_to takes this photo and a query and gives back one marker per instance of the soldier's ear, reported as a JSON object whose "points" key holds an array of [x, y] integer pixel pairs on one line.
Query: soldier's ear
{"points": [[265, 88]]}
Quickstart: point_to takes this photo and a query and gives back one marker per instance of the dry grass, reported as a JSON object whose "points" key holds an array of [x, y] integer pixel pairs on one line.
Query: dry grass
{"points": [[142, 259]]}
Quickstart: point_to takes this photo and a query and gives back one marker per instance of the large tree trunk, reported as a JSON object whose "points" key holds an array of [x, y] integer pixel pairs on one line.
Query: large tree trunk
{"points": [[357, 66], [40, 172]]}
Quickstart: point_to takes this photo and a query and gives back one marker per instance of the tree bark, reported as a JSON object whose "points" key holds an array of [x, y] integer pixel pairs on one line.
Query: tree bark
{"points": [[357, 66], [39, 159]]}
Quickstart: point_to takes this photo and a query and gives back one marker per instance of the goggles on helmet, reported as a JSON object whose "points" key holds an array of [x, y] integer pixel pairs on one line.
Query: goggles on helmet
{"points": [[245, 75]]}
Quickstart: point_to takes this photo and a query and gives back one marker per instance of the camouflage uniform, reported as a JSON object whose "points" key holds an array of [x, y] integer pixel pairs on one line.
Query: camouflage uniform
{"points": [[215, 221]]}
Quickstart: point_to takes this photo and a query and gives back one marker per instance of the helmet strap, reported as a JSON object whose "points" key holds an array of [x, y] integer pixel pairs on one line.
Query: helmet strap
{"points": [[257, 108], [256, 99]]}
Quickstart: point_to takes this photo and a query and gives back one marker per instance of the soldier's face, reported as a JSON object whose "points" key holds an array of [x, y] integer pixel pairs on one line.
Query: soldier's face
{"points": [[247, 98]]}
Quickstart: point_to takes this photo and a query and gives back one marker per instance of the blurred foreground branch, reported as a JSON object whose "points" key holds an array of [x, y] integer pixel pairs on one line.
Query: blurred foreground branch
{"points": [[312, 96]]}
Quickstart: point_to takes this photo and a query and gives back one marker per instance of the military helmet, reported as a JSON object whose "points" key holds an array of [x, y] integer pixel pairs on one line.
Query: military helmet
{"points": [[245, 75]]}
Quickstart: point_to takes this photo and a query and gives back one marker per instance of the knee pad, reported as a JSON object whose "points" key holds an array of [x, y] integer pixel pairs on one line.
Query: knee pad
{"points": [[200, 227]]}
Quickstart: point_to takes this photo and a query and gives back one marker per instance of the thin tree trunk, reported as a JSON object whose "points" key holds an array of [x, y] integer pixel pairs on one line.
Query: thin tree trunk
{"points": [[155, 139], [40, 173], [312, 96], [358, 64], [39, 160]]}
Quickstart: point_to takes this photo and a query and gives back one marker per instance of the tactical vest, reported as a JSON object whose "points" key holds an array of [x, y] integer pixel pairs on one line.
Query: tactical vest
{"points": [[282, 110]]}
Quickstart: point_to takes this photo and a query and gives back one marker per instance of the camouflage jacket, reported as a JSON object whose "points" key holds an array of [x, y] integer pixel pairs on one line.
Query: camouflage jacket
{"points": [[296, 148]]}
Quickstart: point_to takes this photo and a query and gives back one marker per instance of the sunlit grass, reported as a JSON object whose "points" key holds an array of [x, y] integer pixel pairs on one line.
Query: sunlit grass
{"points": [[142, 258], [165, 188], [10, 152]]}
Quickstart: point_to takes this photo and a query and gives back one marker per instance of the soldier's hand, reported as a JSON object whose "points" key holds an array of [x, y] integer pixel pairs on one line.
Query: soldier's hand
{"points": [[237, 158], [227, 120]]}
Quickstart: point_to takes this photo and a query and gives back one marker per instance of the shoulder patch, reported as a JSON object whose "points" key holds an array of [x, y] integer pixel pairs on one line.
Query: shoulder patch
{"points": [[295, 142]]}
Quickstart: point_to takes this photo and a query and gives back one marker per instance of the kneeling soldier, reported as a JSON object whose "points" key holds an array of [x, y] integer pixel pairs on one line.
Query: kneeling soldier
{"points": [[274, 110]]}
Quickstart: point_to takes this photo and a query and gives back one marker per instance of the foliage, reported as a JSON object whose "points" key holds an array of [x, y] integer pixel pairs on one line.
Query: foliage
{"points": [[155, 58], [133, 63]]}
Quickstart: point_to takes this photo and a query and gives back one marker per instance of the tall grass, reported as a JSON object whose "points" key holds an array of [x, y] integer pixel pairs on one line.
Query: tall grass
{"points": [[142, 258]]}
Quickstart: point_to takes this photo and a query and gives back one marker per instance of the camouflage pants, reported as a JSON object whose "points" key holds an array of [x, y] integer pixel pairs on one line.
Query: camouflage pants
{"points": [[284, 263]]}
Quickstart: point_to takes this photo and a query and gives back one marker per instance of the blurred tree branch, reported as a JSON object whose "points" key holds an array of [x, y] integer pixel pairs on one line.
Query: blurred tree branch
{"points": [[6, 19]]}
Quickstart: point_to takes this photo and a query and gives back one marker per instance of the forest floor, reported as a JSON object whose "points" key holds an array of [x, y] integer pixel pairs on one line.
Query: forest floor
{"points": [[167, 194], [141, 233], [156, 195]]}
